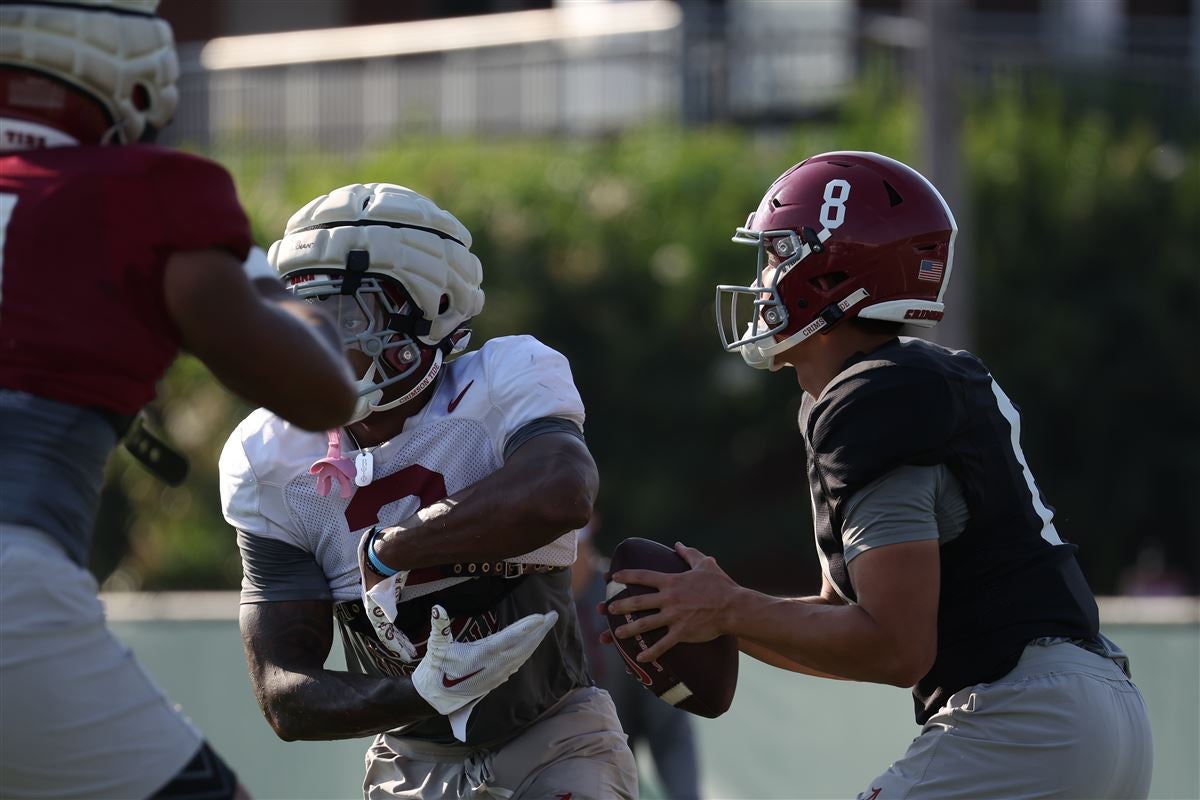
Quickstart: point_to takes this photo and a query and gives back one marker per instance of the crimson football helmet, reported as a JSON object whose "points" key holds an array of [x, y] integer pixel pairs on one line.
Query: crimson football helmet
{"points": [[840, 235], [399, 273]]}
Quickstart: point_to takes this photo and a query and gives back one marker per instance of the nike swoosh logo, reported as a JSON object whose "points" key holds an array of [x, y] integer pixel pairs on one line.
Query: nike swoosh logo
{"points": [[454, 403], [450, 683]]}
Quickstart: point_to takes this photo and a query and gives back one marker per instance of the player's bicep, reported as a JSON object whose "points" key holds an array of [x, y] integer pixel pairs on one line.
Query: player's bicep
{"points": [[209, 299], [282, 637], [558, 462], [287, 609], [898, 586]]}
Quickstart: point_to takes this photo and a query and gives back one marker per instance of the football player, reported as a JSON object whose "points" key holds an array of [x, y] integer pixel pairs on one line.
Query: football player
{"points": [[456, 491], [112, 258], [943, 568]]}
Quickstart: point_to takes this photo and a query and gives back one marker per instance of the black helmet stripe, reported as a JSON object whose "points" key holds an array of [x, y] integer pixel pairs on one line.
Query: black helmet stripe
{"points": [[365, 223]]}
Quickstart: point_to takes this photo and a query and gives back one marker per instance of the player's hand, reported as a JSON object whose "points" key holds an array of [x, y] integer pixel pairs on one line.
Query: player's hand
{"points": [[455, 674], [387, 545], [691, 605]]}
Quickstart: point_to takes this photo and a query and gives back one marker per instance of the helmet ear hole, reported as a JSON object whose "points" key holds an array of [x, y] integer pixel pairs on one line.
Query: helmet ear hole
{"points": [[444, 304], [140, 97]]}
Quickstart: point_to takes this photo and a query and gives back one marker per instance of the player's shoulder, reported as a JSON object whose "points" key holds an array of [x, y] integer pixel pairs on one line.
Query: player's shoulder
{"points": [[903, 390], [512, 380], [130, 161], [517, 347], [902, 370], [520, 357], [154, 157], [269, 449], [193, 172]]}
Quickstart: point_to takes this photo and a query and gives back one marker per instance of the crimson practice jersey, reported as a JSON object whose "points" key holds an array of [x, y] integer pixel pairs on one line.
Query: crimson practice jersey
{"points": [[84, 235], [299, 545], [1008, 578]]}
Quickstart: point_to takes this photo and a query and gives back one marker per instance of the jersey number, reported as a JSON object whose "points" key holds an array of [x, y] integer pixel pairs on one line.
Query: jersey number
{"points": [[8, 202], [833, 211], [412, 481], [1013, 417]]}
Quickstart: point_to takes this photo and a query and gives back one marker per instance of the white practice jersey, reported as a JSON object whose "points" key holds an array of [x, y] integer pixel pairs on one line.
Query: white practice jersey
{"points": [[483, 398]]}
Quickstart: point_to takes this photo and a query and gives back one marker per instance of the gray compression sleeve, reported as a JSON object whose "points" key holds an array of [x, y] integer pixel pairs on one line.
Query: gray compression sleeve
{"points": [[274, 570], [908, 504], [536, 428]]}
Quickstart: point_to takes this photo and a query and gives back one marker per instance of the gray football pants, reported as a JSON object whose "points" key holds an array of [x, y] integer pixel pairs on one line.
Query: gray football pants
{"points": [[1065, 723], [575, 750], [81, 719]]}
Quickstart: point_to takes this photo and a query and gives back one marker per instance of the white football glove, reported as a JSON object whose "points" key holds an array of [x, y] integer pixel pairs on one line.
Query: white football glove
{"points": [[380, 604], [454, 676]]}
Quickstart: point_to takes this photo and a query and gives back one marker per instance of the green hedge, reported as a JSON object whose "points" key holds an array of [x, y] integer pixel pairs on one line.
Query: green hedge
{"points": [[1086, 283]]}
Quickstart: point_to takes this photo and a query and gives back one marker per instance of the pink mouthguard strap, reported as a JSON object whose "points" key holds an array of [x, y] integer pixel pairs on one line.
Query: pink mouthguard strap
{"points": [[333, 467]]}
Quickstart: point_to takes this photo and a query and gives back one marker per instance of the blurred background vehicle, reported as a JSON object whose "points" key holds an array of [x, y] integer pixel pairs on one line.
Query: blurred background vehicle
{"points": [[603, 152]]}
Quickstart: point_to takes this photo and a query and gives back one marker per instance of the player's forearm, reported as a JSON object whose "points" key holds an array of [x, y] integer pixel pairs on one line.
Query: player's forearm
{"points": [[319, 325], [286, 644], [515, 510], [326, 705], [765, 654], [821, 638], [303, 375], [270, 349]]}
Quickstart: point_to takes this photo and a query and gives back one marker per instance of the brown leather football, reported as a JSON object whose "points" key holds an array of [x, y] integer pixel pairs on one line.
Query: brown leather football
{"points": [[699, 678]]}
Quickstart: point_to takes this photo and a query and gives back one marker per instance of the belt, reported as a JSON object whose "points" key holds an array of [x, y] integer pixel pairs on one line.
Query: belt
{"points": [[476, 569]]}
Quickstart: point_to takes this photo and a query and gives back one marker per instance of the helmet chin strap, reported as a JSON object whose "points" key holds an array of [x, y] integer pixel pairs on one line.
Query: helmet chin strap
{"points": [[368, 399], [760, 357]]}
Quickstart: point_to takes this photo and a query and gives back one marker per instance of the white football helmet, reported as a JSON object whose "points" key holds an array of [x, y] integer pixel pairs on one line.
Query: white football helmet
{"points": [[116, 51], [401, 272]]}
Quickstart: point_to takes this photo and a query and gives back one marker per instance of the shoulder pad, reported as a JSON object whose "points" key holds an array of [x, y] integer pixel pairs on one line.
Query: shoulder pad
{"points": [[874, 419]]}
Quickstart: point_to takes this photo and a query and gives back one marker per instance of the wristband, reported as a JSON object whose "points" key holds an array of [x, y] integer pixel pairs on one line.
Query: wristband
{"points": [[257, 266], [377, 566]]}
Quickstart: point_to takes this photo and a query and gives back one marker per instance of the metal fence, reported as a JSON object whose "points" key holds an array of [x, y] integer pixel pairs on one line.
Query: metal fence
{"points": [[601, 68], [640, 62]]}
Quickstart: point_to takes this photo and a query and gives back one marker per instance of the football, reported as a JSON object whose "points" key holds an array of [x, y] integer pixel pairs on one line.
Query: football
{"points": [[699, 678]]}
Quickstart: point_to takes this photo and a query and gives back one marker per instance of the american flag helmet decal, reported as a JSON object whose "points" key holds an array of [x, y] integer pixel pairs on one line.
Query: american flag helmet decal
{"points": [[930, 270]]}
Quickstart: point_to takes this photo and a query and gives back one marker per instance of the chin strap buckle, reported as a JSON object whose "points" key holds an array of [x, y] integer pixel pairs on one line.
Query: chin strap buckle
{"points": [[832, 313], [810, 238]]}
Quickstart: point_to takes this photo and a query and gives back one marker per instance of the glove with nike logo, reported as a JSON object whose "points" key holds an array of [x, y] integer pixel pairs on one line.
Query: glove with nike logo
{"points": [[454, 676]]}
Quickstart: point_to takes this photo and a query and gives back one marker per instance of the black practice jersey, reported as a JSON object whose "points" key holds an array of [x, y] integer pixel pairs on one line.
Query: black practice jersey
{"points": [[1008, 578]]}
